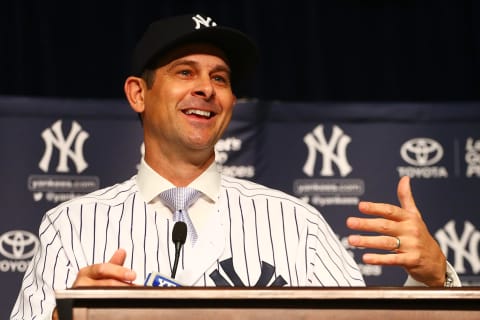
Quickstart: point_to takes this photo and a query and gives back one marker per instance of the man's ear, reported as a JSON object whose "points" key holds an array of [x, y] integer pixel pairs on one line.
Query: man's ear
{"points": [[134, 88]]}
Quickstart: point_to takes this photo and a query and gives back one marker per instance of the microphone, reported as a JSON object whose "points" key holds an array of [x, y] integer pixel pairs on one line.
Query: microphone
{"points": [[179, 235], [155, 279]]}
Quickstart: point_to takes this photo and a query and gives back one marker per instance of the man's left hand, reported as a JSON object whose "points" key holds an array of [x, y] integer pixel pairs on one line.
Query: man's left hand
{"points": [[402, 232]]}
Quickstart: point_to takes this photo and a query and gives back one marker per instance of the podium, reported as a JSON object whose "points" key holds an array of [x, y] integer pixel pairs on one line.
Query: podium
{"points": [[266, 303]]}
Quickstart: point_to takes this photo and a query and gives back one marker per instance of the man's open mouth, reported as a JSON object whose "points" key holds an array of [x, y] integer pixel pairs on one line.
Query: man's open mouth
{"points": [[199, 113]]}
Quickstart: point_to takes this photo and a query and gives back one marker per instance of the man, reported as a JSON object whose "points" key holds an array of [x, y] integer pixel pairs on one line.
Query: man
{"points": [[239, 233]]}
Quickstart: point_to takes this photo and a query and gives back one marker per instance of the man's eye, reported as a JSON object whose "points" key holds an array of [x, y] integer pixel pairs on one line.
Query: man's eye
{"points": [[185, 72], [220, 79]]}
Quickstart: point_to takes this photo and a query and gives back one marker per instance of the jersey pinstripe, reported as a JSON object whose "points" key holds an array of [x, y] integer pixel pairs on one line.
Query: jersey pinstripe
{"points": [[260, 237]]}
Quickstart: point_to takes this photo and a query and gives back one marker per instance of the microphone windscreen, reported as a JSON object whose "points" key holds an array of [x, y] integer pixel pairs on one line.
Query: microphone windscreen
{"points": [[179, 233]]}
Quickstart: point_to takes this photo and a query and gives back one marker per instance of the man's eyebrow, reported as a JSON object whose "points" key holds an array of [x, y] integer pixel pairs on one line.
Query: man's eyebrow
{"points": [[192, 63], [222, 68], [182, 62]]}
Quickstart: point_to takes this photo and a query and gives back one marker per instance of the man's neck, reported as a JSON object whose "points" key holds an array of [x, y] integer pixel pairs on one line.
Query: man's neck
{"points": [[178, 171]]}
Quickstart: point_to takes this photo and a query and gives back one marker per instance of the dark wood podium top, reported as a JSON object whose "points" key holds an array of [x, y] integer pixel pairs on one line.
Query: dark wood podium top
{"points": [[269, 303]]}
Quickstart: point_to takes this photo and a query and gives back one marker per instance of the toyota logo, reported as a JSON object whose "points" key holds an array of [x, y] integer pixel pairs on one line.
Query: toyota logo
{"points": [[421, 152], [18, 244]]}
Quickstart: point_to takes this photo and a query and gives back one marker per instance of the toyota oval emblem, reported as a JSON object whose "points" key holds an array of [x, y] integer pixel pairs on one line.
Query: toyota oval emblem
{"points": [[421, 152], [18, 244]]}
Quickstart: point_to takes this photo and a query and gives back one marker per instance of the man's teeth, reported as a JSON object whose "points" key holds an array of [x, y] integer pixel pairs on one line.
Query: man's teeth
{"points": [[199, 113]]}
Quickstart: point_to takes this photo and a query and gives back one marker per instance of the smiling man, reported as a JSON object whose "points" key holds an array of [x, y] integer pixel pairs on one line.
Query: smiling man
{"points": [[185, 110], [238, 233]]}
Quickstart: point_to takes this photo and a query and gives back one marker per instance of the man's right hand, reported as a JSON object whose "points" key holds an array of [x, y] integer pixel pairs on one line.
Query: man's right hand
{"points": [[106, 274]]}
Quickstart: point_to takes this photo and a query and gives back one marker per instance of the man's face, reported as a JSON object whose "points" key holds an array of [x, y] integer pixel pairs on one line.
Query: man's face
{"points": [[190, 103]]}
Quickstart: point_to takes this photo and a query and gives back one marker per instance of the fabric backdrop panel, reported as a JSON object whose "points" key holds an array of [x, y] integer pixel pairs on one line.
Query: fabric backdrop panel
{"points": [[53, 150], [330, 155]]}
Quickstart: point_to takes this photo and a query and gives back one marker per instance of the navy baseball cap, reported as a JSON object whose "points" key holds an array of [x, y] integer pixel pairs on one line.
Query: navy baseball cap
{"points": [[166, 34]]}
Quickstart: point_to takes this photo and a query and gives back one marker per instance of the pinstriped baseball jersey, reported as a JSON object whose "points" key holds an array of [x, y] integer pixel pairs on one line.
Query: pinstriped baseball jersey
{"points": [[257, 237]]}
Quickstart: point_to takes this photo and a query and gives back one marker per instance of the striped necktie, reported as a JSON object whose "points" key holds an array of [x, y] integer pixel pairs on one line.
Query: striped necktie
{"points": [[179, 200]]}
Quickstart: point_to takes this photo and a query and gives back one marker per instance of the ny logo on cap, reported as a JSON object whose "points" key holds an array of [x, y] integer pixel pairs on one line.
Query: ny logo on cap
{"points": [[201, 21]]}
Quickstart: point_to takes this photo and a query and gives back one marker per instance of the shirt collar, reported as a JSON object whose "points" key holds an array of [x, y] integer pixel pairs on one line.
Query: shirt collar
{"points": [[150, 183]]}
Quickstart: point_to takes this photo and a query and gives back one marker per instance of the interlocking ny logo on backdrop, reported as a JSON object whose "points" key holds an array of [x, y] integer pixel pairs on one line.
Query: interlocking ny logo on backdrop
{"points": [[59, 187], [333, 151], [328, 191], [69, 147], [465, 246]]}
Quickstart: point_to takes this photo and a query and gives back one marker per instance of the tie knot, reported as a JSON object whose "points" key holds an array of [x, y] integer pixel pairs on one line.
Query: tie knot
{"points": [[180, 198]]}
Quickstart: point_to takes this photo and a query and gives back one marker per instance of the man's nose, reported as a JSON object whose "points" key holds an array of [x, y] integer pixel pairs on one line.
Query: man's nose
{"points": [[204, 88]]}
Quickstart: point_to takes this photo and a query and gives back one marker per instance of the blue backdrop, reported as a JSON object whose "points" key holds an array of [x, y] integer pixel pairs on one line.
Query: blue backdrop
{"points": [[331, 155]]}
